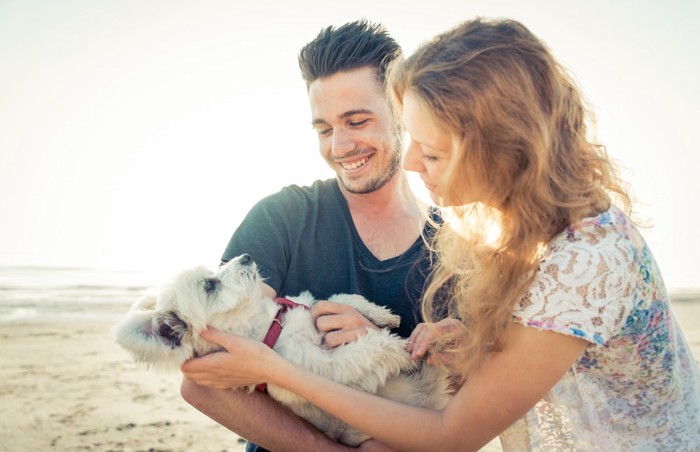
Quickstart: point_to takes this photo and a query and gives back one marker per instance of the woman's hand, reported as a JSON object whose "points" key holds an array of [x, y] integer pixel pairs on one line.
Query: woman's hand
{"points": [[244, 362], [424, 336]]}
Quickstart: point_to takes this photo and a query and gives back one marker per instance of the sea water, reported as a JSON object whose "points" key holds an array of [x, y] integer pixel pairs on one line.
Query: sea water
{"points": [[38, 293], [45, 293]]}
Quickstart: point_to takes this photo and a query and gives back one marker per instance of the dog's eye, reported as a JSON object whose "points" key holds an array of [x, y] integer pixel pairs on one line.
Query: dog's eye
{"points": [[210, 285]]}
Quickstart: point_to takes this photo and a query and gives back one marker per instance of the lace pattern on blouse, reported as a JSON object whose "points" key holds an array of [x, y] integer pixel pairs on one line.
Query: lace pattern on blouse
{"points": [[637, 386]]}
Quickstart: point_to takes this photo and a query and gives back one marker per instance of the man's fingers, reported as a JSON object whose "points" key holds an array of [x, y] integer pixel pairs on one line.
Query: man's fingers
{"points": [[333, 339], [324, 307], [339, 323], [328, 323]]}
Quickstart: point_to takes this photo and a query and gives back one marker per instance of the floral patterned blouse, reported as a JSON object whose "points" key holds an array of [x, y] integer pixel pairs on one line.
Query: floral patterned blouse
{"points": [[637, 386]]}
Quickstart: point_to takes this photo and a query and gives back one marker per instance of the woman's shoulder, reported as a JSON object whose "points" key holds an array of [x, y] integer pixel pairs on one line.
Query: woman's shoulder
{"points": [[609, 231], [587, 276]]}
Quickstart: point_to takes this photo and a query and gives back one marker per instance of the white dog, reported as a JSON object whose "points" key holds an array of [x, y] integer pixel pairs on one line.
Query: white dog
{"points": [[162, 329]]}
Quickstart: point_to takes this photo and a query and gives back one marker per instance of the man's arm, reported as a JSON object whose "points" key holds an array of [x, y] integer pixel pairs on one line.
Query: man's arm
{"points": [[256, 417]]}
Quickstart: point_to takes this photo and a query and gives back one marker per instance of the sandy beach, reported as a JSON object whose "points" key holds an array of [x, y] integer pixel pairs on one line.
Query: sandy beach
{"points": [[65, 385]]}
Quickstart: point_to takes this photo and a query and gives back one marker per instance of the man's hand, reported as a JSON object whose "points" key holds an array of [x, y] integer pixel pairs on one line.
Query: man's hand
{"points": [[339, 323]]}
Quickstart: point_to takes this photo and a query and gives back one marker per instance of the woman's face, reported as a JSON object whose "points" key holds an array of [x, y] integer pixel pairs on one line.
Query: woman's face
{"points": [[429, 147]]}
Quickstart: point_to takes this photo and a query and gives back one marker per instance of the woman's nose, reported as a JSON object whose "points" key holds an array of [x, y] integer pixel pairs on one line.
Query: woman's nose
{"points": [[411, 160]]}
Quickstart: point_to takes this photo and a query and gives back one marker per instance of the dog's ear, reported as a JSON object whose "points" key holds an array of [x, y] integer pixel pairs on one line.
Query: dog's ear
{"points": [[154, 338], [136, 330], [145, 303]]}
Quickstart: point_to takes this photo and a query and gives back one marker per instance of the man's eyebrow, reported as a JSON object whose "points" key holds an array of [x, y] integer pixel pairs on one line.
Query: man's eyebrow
{"points": [[347, 114], [361, 111]]}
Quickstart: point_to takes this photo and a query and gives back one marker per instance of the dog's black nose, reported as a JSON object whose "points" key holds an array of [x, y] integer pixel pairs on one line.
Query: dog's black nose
{"points": [[245, 259]]}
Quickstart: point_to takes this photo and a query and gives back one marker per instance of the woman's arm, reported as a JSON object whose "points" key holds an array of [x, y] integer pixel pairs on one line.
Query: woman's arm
{"points": [[495, 396]]}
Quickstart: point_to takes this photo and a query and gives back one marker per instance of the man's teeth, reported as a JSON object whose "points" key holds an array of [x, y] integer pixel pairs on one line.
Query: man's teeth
{"points": [[354, 165]]}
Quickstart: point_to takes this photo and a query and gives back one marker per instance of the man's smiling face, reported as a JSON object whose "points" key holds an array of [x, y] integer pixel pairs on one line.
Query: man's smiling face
{"points": [[356, 133]]}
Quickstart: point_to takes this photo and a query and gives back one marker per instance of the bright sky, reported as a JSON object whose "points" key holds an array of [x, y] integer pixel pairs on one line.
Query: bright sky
{"points": [[136, 134]]}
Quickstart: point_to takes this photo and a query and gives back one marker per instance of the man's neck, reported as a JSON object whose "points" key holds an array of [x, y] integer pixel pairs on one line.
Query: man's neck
{"points": [[388, 219], [393, 198]]}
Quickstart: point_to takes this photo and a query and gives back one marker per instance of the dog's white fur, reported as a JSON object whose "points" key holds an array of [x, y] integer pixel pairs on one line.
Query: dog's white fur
{"points": [[162, 330]]}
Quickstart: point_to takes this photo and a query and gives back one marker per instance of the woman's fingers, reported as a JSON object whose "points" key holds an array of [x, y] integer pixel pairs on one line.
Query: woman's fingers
{"points": [[420, 341]]}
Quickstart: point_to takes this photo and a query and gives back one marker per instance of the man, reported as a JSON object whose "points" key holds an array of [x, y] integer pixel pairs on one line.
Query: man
{"points": [[357, 233]]}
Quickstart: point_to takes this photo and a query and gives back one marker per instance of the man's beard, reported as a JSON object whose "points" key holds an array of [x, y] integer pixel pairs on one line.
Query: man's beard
{"points": [[382, 179]]}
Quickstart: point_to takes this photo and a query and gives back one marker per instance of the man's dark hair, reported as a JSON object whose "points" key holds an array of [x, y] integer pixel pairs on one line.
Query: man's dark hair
{"points": [[351, 46]]}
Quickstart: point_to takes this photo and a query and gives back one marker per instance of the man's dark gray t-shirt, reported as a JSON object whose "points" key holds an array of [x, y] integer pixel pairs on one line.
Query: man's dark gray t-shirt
{"points": [[303, 238]]}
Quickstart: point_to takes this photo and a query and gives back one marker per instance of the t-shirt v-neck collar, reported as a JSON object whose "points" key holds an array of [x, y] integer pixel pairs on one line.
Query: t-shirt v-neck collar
{"points": [[373, 261]]}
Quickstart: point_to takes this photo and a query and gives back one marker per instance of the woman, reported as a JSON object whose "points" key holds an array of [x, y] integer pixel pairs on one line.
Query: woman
{"points": [[569, 342]]}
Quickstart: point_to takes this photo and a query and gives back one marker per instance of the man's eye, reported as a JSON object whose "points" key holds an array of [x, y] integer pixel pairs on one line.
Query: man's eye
{"points": [[430, 158], [324, 132], [357, 123]]}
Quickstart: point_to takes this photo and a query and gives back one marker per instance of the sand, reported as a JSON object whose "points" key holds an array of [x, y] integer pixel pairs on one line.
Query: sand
{"points": [[64, 385]]}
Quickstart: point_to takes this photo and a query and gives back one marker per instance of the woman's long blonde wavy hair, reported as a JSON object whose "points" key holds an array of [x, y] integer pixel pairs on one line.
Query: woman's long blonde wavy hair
{"points": [[519, 134]]}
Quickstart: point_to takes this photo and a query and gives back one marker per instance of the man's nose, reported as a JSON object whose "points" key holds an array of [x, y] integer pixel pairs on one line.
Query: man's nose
{"points": [[343, 142]]}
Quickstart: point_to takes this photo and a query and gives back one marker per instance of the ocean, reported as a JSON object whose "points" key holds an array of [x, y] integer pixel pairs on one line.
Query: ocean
{"points": [[54, 293]]}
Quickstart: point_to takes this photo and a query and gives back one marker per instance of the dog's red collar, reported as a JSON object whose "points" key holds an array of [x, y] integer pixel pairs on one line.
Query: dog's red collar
{"points": [[276, 328]]}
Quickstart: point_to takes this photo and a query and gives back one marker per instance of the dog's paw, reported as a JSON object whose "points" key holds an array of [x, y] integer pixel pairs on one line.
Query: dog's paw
{"points": [[379, 315]]}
